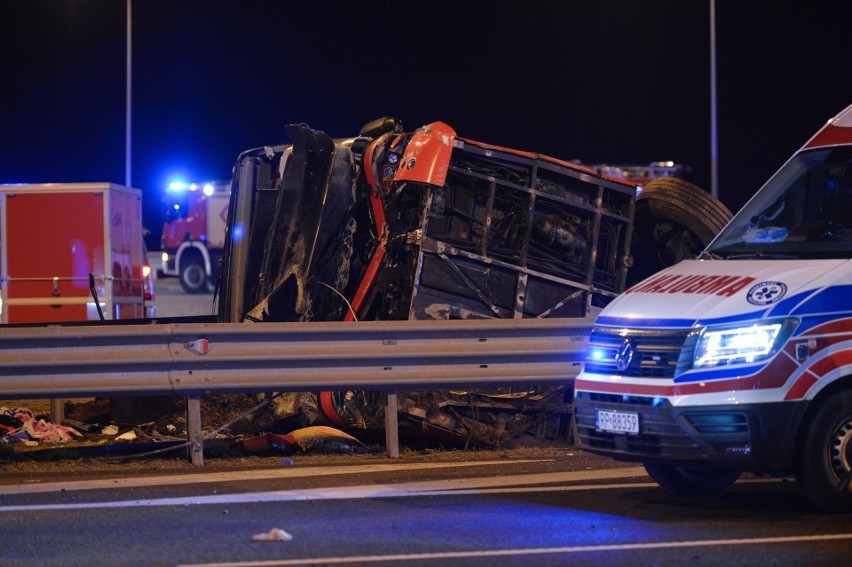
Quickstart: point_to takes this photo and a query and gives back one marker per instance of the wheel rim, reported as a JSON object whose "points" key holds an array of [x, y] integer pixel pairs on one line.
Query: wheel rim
{"points": [[194, 276], [840, 448]]}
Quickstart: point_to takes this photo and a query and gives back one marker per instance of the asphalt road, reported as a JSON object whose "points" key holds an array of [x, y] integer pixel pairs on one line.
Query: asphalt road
{"points": [[512, 508], [172, 301]]}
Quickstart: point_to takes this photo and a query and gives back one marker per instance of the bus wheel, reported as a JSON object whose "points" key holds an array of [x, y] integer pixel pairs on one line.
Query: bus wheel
{"points": [[691, 480], [193, 277], [674, 220], [825, 471]]}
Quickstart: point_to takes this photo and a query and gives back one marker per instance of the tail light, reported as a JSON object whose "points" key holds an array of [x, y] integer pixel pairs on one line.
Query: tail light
{"points": [[147, 288]]}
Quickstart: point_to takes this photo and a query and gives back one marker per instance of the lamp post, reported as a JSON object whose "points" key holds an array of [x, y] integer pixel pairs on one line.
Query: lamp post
{"points": [[714, 150], [128, 121]]}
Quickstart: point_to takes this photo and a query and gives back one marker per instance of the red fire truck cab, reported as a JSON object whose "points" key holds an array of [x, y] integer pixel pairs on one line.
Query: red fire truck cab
{"points": [[194, 233]]}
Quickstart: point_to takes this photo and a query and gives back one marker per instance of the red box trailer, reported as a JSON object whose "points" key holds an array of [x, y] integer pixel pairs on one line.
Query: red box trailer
{"points": [[54, 235]]}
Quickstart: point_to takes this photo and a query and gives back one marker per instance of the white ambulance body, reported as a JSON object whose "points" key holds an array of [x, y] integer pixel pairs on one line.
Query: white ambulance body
{"points": [[740, 360]]}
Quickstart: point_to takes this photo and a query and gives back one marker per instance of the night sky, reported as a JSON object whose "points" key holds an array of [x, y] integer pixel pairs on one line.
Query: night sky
{"points": [[615, 81]]}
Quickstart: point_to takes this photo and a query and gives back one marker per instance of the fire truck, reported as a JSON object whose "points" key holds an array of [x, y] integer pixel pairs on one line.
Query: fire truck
{"points": [[740, 360], [194, 233], [642, 174], [72, 252]]}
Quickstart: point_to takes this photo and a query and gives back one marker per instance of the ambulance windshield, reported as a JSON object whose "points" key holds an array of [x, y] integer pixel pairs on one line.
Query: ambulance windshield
{"points": [[804, 211]]}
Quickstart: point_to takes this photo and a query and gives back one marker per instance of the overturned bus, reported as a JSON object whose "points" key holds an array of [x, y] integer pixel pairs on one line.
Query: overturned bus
{"points": [[395, 225]]}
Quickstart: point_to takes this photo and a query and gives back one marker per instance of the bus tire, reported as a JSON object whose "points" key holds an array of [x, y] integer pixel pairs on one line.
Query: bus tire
{"points": [[674, 220]]}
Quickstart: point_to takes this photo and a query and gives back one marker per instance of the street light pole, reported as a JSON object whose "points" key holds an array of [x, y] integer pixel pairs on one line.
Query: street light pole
{"points": [[128, 122], [714, 150]]}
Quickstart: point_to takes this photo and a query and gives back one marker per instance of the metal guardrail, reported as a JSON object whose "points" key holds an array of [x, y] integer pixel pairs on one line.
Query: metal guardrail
{"points": [[211, 358], [204, 358]]}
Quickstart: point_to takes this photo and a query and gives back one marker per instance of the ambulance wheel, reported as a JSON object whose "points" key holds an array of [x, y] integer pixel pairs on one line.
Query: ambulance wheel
{"points": [[691, 480], [193, 276], [674, 220], [825, 472]]}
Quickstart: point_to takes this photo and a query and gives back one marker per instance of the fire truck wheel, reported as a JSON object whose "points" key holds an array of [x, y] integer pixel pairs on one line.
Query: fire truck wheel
{"points": [[825, 472], [691, 480], [193, 278], [674, 220]]}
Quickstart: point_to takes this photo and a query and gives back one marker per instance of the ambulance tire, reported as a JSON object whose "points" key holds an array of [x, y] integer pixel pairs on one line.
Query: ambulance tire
{"points": [[825, 472], [674, 220], [193, 276], [691, 480]]}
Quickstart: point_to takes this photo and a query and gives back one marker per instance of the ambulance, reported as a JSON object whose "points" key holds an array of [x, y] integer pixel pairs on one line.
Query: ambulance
{"points": [[741, 359]]}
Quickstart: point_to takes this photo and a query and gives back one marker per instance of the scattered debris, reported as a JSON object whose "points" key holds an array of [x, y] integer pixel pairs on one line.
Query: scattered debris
{"points": [[79, 425], [324, 439], [291, 423], [275, 534], [20, 425], [319, 438], [110, 430], [267, 442]]}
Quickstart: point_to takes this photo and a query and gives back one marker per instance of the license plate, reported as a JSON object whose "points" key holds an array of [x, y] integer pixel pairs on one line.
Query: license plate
{"points": [[617, 421]]}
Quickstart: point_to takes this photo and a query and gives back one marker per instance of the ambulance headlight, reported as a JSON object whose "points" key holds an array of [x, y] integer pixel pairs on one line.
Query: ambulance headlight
{"points": [[721, 346]]}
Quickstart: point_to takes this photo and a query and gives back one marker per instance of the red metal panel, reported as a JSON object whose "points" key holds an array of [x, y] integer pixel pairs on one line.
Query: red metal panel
{"points": [[427, 157], [54, 240], [46, 313], [125, 246]]}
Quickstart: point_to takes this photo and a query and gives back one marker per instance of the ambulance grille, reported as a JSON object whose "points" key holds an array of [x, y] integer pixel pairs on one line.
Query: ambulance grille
{"points": [[655, 353]]}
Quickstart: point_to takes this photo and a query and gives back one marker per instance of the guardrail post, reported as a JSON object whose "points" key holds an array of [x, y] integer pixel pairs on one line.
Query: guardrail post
{"points": [[57, 410], [392, 426], [193, 429]]}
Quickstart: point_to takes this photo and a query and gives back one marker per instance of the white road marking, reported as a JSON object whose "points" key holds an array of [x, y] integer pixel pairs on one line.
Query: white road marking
{"points": [[526, 551], [484, 485], [265, 474]]}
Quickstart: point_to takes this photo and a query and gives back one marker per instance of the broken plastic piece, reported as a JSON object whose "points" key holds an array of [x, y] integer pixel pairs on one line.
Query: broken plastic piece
{"points": [[275, 534], [324, 439], [269, 441], [201, 346]]}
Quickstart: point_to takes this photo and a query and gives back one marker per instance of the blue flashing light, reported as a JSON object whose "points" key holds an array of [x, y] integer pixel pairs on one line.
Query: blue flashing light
{"points": [[177, 185], [239, 230], [596, 354]]}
